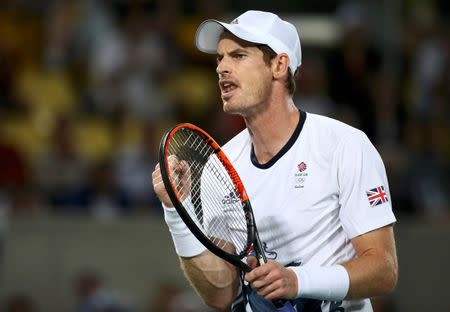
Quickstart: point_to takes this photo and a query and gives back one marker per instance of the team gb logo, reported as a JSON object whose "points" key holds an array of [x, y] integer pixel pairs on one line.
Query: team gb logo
{"points": [[301, 166], [300, 175]]}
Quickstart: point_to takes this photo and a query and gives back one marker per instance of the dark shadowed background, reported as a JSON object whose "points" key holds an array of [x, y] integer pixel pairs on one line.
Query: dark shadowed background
{"points": [[88, 87]]}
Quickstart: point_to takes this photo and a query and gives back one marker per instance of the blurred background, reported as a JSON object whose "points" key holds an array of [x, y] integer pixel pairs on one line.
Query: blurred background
{"points": [[88, 87]]}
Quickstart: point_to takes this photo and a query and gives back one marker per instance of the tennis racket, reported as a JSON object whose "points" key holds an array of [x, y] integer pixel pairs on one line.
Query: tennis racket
{"points": [[210, 197]]}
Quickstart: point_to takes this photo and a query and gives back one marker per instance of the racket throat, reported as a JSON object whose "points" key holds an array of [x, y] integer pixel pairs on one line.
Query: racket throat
{"points": [[261, 260]]}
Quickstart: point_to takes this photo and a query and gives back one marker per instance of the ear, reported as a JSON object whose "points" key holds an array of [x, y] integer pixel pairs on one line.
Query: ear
{"points": [[280, 66]]}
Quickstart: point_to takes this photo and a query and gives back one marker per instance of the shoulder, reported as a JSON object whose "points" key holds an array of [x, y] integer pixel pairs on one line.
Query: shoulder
{"points": [[330, 126], [332, 133]]}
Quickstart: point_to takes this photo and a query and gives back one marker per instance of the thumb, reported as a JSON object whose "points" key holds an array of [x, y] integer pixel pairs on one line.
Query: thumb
{"points": [[252, 261]]}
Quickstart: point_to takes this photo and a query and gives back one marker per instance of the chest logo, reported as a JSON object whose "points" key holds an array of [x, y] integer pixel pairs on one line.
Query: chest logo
{"points": [[302, 166], [300, 175]]}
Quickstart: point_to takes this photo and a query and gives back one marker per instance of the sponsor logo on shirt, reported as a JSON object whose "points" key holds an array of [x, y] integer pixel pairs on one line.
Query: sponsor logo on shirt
{"points": [[271, 254], [230, 199]]}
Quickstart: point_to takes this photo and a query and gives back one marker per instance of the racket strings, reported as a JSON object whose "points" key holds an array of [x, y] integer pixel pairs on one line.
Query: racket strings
{"points": [[222, 224], [207, 191]]}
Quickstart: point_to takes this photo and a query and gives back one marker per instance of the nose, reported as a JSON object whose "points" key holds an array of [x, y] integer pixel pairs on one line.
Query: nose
{"points": [[223, 67]]}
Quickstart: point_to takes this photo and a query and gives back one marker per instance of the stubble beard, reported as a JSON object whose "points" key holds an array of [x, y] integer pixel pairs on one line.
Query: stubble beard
{"points": [[247, 103]]}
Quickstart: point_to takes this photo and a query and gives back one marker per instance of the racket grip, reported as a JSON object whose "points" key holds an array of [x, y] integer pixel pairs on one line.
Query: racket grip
{"points": [[283, 305]]}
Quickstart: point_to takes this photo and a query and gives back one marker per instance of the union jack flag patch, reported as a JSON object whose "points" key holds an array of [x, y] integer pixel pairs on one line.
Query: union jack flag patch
{"points": [[377, 196]]}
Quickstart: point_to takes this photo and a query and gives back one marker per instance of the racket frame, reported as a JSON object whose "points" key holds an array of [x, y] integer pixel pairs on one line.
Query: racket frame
{"points": [[253, 241]]}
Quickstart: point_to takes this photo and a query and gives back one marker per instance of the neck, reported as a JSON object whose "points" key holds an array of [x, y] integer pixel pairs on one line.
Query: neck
{"points": [[271, 128]]}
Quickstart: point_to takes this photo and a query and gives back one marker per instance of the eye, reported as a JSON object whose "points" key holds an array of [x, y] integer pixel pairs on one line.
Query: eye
{"points": [[239, 56]]}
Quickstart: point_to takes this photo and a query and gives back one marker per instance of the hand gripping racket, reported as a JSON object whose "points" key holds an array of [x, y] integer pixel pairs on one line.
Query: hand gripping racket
{"points": [[210, 198]]}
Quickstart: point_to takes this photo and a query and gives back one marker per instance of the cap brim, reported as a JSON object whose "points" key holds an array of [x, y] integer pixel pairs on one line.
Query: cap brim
{"points": [[208, 35]]}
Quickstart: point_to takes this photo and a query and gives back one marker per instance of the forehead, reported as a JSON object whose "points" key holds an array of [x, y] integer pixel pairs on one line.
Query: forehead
{"points": [[229, 41]]}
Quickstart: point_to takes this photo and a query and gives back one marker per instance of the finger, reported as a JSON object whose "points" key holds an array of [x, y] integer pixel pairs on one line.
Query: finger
{"points": [[280, 287], [157, 171], [273, 294], [172, 160], [260, 285], [184, 171], [258, 272], [267, 290], [156, 177], [271, 288], [263, 281], [159, 184]]}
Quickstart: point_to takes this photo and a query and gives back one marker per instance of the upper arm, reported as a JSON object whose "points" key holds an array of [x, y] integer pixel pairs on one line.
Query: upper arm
{"points": [[364, 194]]}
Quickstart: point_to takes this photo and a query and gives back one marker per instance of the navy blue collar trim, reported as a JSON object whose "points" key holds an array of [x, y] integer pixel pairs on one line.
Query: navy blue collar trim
{"points": [[285, 148]]}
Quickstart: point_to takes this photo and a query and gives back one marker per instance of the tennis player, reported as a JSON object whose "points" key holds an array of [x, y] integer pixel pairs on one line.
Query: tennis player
{"points": [[318, 187]]}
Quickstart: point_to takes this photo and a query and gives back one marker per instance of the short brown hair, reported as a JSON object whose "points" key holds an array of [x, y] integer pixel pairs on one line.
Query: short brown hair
{"points": [[268, 56]]}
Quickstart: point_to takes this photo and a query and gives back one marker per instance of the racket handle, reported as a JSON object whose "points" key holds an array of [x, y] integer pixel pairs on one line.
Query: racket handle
{"points": [[283, 305]]}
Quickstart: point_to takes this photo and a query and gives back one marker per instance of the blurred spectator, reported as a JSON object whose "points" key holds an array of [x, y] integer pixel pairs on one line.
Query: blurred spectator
{"points": [[62, 172], [424, 132], [172, 298], [388, 113], [20, 303], [93, 296], [352, 66], [106, 200], [133, 164], [426, 180], [8, 72], [26, 201], [164, 297], [223, 127], [128, 57], [311, 87], [428, 58], [13, 169], [13, 177], [18, 195], [113, 66]]}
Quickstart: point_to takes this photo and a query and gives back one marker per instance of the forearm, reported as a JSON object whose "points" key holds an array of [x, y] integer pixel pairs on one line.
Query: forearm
{"points": [[215, 280], [372, 272], [371, 275]]}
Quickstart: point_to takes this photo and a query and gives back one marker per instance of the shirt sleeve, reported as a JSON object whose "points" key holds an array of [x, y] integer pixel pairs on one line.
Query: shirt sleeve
{"points": [[364, 197]]}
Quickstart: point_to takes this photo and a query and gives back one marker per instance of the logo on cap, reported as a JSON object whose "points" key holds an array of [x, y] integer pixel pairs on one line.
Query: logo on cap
{"points": [[235, 21]]}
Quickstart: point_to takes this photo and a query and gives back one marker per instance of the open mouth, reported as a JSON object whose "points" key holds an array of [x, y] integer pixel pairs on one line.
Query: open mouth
{"points": [[227, 87]]}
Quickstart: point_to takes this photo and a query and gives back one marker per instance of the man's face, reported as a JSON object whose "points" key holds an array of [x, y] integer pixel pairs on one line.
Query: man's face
{"points": [[244, 78]]}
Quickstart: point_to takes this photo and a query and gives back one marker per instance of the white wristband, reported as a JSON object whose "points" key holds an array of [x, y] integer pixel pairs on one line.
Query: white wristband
{"points": [[186, 244], [326, 283]]}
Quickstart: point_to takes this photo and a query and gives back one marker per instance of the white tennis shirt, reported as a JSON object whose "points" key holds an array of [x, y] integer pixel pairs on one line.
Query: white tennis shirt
{"points": [[326, 186]]}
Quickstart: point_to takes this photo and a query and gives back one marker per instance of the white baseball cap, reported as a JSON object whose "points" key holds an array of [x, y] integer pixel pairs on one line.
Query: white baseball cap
{"points": [[257, 27]]}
